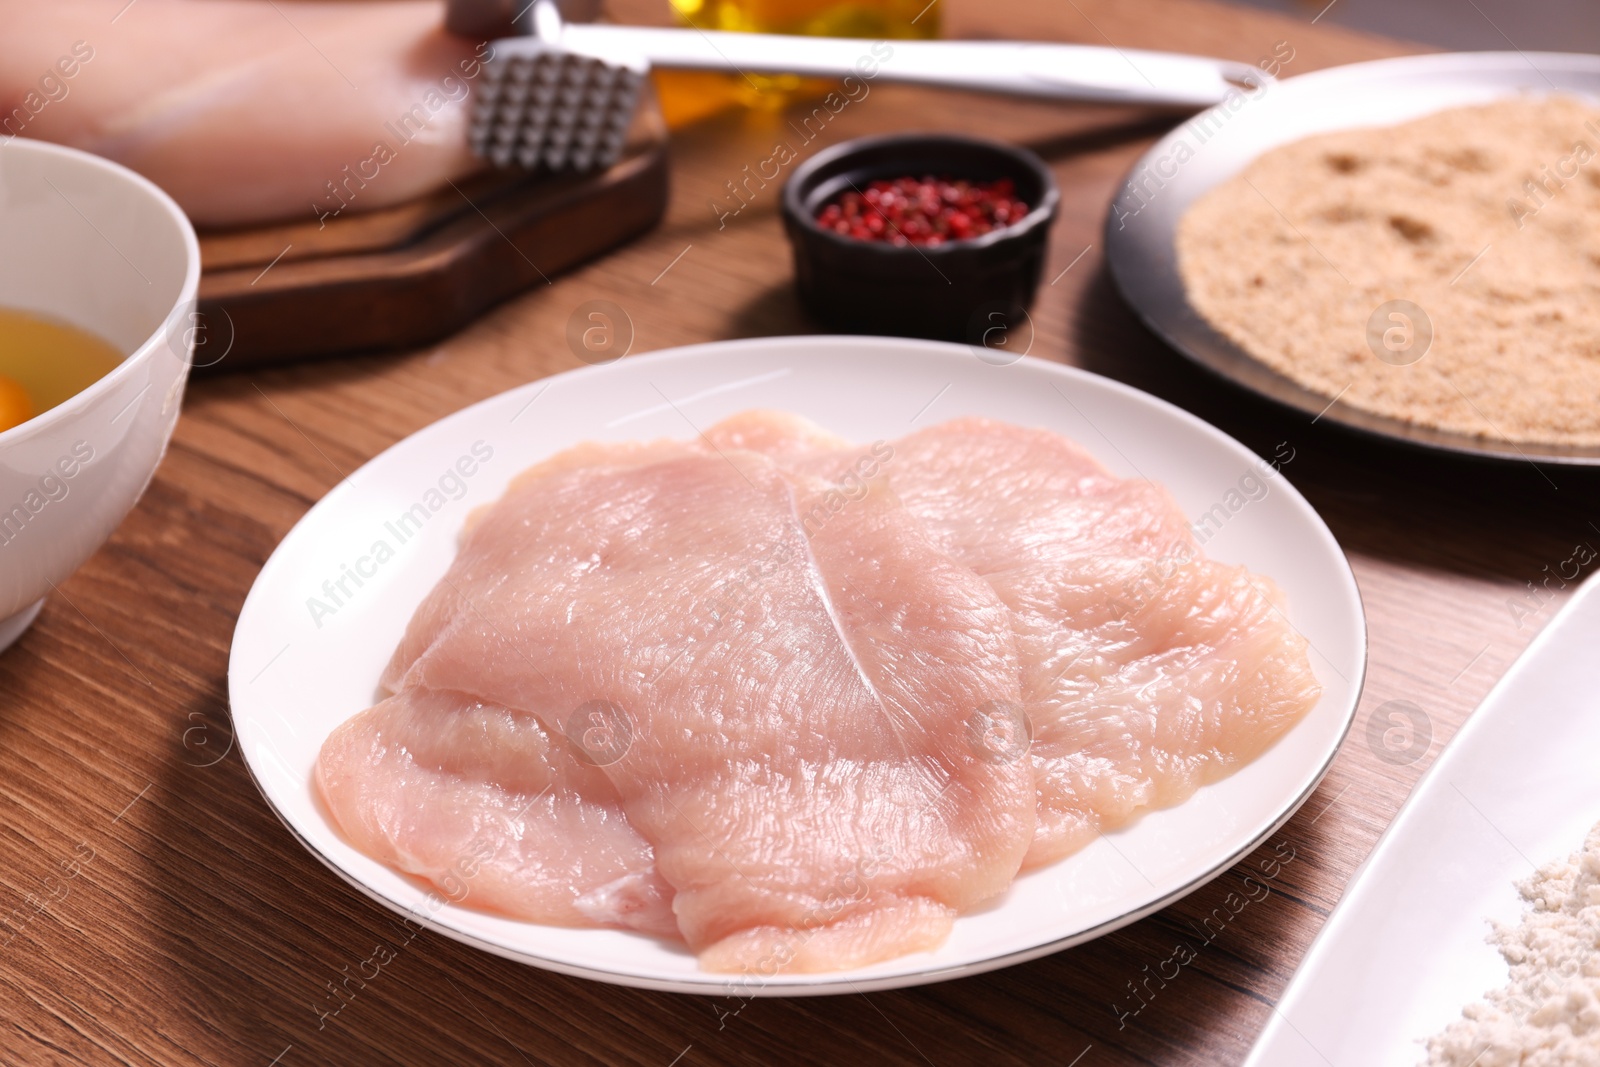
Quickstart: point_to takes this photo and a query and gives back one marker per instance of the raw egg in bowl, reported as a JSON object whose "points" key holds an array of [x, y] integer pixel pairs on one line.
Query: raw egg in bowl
{"points": [[97, 291]]}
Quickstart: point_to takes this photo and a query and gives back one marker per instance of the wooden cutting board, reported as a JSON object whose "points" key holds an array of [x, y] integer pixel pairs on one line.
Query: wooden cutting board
{"points": [[406, 276]]}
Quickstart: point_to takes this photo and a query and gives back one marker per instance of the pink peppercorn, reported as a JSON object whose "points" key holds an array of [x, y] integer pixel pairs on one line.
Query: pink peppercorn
{"points": [[923, 211]]}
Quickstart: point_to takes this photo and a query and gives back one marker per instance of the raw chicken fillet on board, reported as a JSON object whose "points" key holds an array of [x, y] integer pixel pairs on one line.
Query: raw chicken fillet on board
{"points": [[799, 703], [247, 111]]}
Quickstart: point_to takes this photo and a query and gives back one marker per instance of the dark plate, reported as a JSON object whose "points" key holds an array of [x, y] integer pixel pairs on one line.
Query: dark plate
{"points": [[1141, 228]]}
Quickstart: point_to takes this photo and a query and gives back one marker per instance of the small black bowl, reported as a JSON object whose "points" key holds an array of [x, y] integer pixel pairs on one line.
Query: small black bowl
{"points": [[955, 291]]}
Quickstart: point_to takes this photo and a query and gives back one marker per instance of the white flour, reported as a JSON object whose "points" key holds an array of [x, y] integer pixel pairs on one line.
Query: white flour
{"points": [[1548, 1014]]}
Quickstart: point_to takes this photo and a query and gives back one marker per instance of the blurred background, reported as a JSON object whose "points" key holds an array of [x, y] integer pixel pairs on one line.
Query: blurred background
{"points": [[1466, 25]]}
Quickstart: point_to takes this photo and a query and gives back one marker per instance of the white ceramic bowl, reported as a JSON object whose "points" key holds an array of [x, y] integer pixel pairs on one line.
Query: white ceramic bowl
{"points": [[85, 241]]}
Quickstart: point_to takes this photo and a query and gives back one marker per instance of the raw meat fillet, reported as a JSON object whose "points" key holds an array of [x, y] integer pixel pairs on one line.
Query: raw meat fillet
{"points": [[1147, 669], [246, 111], [447, 788], [785, 697], [779, 434]]}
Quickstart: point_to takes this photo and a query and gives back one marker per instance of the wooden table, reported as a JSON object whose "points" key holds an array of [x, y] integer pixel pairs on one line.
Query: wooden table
{"points": [[196, 929]]}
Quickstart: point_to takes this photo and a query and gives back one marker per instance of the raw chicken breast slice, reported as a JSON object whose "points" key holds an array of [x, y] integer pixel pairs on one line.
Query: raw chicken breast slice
{"points": [[780, 691], [489, 806], [484, 800], [779, 434], [437, 610], [247, 111], [1141, 689], [1147, 670]]}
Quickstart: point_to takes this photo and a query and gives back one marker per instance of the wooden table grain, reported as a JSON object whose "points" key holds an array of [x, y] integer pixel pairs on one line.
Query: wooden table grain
{"points": [[160, 914]]}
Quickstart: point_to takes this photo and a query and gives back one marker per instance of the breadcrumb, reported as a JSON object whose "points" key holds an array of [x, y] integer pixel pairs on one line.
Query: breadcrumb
{"points": [[1486, 218]]}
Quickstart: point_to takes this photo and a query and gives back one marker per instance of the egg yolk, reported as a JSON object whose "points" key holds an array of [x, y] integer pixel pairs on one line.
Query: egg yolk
{"points": [[15, 406]]}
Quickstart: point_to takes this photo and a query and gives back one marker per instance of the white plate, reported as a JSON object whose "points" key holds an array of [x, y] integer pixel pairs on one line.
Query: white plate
{"points": [[1406, 948], [292, 682]]}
